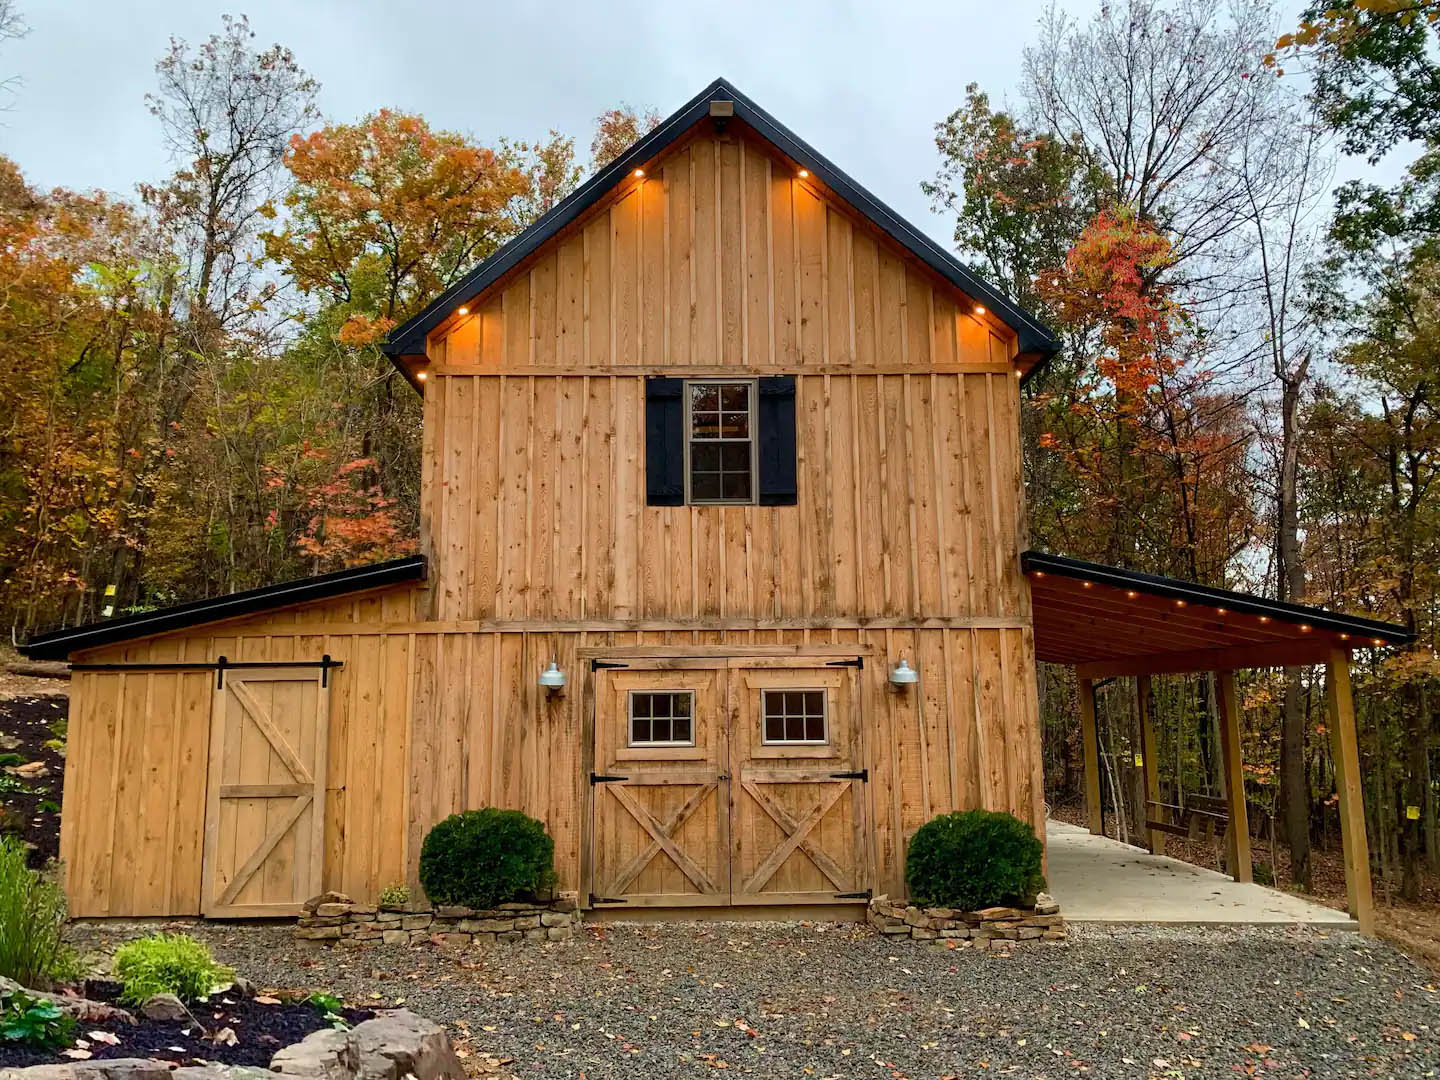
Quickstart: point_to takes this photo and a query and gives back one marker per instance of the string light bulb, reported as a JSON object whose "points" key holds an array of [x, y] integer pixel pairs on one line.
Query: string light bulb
{"points": [[639, 172], [462, 311], [979, 309], [420, 375], [803, 174]]}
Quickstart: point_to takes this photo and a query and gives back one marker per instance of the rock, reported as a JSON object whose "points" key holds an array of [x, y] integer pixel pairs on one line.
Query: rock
{"points": [[332, 908], [82, 1009], [454, 911], [164, 1007], [567, 901], [221, 1072], [415, 922], [1045, 904], [330, 897], [509, 936], [473, 926], [411, 1044], [326, 1054], [895, 928], [317, 933], [395, 937], [555, 918], [991, 914], [528, 922], [560, 933], [120, 1069]]}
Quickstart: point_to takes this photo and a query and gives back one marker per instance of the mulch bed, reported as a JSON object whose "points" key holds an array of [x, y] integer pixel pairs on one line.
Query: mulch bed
{"points": [[30, 804], [260, 1030]]}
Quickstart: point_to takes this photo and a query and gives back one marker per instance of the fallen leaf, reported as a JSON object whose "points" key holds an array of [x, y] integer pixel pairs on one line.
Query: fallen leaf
{"points": [[76, 1053], [1301, 1021], [266, 999], [104, 1037], [226, 1037]]}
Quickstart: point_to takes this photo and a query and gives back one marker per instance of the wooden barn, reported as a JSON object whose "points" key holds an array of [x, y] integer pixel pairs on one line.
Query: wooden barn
{"points": [[729, 450]]}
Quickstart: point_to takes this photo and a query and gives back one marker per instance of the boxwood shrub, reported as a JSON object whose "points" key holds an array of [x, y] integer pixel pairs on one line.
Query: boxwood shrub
{"points": [[480, 858], [973, 859]]}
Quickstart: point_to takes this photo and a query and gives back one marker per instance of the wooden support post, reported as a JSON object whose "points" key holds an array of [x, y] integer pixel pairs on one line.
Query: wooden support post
{"points": [[1150, 763], [1345, 749], [1091, 744], [1237, 832]]}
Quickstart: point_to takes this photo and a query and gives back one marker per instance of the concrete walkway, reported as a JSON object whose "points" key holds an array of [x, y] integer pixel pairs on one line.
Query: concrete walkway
{"points": [[1097, 879]]}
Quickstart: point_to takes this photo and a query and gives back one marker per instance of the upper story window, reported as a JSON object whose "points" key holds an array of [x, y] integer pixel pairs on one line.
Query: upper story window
{"points": [[720, 442]]}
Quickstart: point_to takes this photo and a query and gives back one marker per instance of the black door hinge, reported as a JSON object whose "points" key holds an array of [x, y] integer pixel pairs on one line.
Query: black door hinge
{"points": [[858, 662], [604, 778], [853, 895], [607, 900], [596, 665], [863, 776]]}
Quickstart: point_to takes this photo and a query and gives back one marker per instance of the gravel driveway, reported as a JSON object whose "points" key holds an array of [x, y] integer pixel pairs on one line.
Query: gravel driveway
{"points": [[781, 1000]]}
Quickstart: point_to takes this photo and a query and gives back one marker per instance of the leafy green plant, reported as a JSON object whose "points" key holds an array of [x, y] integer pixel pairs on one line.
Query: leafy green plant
{"points": [[35, 1022], [47, 806], [329, 1007], [481, 858], [397, 892], [32, 919], [167, 964], [13, 785], [973, 859], [11, 759]]}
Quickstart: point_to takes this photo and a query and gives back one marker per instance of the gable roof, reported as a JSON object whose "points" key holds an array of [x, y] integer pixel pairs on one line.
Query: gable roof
{"points": [[59, 644], [408, 339]]}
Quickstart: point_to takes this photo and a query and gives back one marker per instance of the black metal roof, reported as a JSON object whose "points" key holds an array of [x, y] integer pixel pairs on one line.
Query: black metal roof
{"points": [[59, 644], [1175, 589], [409, 338]]}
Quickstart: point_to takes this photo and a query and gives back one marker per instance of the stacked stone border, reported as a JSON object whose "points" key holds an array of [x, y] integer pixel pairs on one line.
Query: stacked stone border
{"points": [[333, 918], [990, 929]]}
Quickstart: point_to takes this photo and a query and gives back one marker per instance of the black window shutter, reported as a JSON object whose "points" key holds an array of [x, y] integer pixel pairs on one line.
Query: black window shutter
{"points": [[664, 442], [775, 417]]}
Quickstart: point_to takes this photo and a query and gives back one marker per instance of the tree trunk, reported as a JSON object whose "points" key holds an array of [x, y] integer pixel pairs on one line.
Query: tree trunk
{"points": [[1294, 795]]}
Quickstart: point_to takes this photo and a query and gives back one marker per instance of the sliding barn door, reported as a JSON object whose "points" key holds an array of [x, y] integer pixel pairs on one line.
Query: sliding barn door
{"points": [[661, 822], [797, 792], [265, 815]]}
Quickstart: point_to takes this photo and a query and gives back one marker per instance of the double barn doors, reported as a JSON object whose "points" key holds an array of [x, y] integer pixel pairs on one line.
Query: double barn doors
{"points": [[728, 781]]}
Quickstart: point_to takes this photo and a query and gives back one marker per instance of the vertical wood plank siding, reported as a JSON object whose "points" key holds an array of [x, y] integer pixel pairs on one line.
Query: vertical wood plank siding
{"points": [[910, 513]]}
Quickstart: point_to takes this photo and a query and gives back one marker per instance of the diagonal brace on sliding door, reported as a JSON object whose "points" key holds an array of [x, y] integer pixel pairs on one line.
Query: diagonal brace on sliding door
{"points": [[797, 835], [662, 839]]}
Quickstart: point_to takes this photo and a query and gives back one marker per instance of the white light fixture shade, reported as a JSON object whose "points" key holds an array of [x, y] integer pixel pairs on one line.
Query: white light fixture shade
{"points": [[902, 674], [552, 678]]}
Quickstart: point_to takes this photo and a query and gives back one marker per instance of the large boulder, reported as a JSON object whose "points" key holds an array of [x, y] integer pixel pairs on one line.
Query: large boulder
{"points": [[394, 1046], [165, 1007]]}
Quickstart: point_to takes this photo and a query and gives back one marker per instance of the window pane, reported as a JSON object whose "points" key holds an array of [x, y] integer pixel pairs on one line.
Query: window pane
{"points": [[735, 457], [680, 705], [705, 487], [735, 425], [794, 728], [705, 457], [736, 485], [640, 729], [735, 396], [660, 732], [774, 728], [705, 425], [680, 728], [704, 396], [815, 728], [814, 703]]}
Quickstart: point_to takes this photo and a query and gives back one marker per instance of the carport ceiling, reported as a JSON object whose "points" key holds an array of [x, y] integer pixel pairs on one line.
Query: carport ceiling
{"points": [[1107, 621]]}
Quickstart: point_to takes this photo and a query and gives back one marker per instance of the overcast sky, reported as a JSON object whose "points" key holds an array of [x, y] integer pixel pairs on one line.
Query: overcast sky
{"points": [[864, 83]]}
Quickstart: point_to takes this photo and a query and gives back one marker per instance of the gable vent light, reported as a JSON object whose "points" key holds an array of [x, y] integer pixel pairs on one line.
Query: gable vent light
{"points": [[552, 678], [902, 674]]}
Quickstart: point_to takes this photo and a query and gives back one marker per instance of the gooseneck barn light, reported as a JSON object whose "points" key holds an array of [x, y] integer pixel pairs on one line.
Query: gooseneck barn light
{"points": [[902, 674], [552, 678]]}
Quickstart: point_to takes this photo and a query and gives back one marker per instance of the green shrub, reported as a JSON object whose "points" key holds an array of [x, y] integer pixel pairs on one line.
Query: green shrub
{"points": [[973, 859], [486, 857], [32, 919], [397, 892], [35, 1023], [167, 964]]}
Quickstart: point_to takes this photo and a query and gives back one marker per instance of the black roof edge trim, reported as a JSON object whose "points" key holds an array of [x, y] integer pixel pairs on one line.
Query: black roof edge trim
{"points": [[1174, 588], [59, 644], [408, 339]]}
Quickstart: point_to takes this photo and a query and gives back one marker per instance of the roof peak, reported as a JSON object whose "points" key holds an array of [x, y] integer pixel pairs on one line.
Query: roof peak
{"points": [[409, 338]]}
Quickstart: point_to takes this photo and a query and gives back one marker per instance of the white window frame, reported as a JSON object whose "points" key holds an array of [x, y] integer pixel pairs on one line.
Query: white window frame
{"points": [[753, 385], [630, 719], [824, 693]]}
